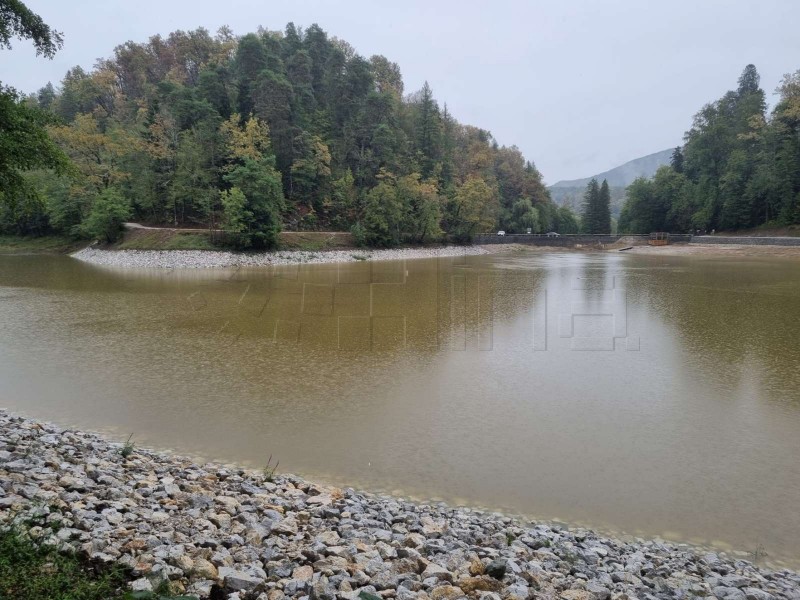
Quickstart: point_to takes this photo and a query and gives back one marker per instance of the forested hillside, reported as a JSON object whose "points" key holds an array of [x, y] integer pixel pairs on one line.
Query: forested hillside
{"points": [[271, 130], [738, 168]]}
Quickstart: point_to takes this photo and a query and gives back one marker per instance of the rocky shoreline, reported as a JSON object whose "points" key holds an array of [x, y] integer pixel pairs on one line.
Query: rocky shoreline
{"points": [[203, 259], [221, 532]]}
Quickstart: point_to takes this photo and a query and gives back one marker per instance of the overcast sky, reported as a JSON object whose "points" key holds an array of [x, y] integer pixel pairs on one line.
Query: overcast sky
{"points": [[579, 85]]}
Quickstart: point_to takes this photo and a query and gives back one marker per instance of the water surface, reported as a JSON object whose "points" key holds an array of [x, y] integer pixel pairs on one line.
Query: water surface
{"points": [[639, 394]]}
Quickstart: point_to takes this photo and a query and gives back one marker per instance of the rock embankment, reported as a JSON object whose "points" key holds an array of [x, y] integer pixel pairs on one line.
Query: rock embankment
{"points": [[203, 259], [213, 530]]}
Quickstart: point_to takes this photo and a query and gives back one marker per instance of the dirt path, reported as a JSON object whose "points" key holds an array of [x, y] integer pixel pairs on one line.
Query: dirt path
{"points": [[140, 226]]}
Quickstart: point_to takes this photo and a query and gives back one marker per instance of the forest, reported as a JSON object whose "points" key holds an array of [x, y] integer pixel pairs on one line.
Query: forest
{"points": [[250, 135], [739, 167]]}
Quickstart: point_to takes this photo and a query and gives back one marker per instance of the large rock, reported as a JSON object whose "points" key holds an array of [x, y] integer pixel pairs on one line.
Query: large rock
{"points": [[434, 570], [322, 589], [756, 594], [497, 568], [204, 568], [321, 500], [575, 595], [303, 573], [446, 592], [286, 526], [141, 585], [238, 580], [479, 584]]}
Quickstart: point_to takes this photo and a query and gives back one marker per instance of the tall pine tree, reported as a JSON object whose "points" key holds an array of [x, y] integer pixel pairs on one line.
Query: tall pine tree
{"points": [[589, 220], [604, 209]]}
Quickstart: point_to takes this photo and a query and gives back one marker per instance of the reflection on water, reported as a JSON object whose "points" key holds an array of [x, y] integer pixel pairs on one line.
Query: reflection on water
{"points": [[637, 393]]}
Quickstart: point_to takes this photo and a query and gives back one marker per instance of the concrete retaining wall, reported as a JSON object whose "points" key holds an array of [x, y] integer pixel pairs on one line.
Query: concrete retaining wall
{"points": [[567, 239], [543, 240]]}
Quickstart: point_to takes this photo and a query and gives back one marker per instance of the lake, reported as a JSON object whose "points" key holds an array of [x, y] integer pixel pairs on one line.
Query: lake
{"points": [[654, 396]]}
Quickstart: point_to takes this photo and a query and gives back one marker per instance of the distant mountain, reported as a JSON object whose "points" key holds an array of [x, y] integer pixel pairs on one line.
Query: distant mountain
{"points": [[570, 192], [623, 175]]}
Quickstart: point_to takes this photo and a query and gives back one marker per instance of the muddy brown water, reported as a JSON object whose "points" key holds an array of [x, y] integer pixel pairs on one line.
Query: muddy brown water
{"points": [[656, 396]]}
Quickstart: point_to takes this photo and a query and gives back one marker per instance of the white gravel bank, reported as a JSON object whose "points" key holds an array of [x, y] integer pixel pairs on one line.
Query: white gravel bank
{"points": [[203, 259]]}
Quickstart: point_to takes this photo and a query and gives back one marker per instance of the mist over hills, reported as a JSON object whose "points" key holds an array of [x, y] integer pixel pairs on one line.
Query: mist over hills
{"points": [[623, 175], [569, 192]]}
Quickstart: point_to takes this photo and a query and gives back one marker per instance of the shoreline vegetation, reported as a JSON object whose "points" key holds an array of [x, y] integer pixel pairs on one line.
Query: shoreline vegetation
{"points": [[217, 531], [150, 251]]}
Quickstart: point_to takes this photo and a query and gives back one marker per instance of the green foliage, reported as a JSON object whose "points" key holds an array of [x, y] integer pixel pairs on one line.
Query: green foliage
{"points": [[312, 135], [524, 216], [270, 469], [604, 209], [473, 208], [359, 234], [24, 145], [235, 216], [258, 218], [738, 168], [30, 570], [17, 20], [109, 211], [596, 213], [383, 215], [127, 448], [567, 222]]}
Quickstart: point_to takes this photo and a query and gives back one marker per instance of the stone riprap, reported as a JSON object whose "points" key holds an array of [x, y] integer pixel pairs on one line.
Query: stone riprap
{"points": [[201, 259], [214, 530]]}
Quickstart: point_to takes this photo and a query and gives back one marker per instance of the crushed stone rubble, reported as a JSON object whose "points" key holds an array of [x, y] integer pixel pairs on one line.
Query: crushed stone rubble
{"points": [[204, 259], [217, 531]]}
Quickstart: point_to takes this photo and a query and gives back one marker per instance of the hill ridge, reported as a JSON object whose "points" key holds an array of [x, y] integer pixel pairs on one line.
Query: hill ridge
{"points": [[624, 174]]}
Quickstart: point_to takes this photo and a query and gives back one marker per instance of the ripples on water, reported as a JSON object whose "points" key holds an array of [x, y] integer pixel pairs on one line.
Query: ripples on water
{"points": [[436, 377]]}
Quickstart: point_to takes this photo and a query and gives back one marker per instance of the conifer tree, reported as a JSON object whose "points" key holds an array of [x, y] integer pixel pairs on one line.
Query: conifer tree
{"points": [[589, 221], [604, 209]]}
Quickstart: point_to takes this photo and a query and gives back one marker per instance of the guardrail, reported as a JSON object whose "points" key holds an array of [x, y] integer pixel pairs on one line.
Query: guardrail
{"points": [[542, 239]]}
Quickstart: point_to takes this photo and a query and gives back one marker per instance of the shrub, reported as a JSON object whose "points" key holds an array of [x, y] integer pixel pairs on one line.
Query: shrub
{"points": [[109, 211]]}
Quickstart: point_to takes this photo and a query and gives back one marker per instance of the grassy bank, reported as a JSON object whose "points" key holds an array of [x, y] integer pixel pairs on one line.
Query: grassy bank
{"points": [[32, 571], [175, 239], [164, 239], [48, 244], [170, 239]]}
